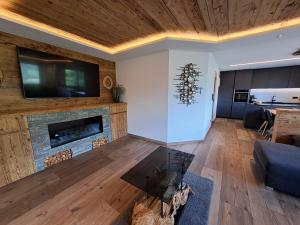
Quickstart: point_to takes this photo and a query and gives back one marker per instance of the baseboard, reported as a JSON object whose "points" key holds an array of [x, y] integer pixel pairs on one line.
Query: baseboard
{"points": [[184, 142], [148, 139], [166, 143]]}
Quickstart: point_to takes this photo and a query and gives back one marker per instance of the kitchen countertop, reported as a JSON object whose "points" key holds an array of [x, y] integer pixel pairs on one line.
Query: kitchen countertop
{"points": [[276, 104]]}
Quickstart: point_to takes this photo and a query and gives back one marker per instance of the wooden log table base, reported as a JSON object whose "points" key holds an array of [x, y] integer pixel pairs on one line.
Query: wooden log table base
{"points": [[148, 210]]}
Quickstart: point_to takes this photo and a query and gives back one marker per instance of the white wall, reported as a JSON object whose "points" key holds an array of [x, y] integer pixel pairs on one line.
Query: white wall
{"points": [[190, 123], [146, 81], [153, 111]]}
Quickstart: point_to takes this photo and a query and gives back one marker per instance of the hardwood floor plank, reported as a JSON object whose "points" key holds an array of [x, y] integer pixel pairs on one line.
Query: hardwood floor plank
{"points": [[272, 201], [254, 185], [188, 148], [215, 158], [243, 135], [216, 177], [279, 219], [261, 215], [231, 215], [291, 211]]}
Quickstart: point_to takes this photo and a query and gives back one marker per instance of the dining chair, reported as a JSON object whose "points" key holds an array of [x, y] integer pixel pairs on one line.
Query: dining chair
{"points": [[269, 131], [264, 125]]}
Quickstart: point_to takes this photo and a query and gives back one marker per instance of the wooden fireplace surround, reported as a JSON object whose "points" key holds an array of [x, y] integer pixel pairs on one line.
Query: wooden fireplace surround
{"points": [[16, 155]]}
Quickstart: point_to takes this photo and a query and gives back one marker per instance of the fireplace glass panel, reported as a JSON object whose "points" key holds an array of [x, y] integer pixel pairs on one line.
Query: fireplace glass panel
{"points": [[66, 132]]}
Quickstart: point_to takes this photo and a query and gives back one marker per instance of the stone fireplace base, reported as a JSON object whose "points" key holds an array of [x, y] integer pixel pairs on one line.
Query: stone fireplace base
{"points": [[40, 139]]}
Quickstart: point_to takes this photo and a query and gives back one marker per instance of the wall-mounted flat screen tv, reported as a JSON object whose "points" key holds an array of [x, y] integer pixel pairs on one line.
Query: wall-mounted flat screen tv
{"points": [[51, 76]]}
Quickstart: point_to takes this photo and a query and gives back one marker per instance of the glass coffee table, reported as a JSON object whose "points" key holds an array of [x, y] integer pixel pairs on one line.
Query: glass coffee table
{"points": [[160, 174]]}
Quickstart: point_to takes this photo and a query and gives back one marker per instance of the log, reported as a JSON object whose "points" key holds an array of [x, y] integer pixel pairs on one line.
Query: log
{"points": [[57, 158], [147, 211]]}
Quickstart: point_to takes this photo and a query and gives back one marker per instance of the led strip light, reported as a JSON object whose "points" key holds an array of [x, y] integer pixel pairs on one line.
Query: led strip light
{"points": [[264, 62]]}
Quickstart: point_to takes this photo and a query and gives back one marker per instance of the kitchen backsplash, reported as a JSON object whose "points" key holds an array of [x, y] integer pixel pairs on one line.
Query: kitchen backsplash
{"points": [[281, 94]]}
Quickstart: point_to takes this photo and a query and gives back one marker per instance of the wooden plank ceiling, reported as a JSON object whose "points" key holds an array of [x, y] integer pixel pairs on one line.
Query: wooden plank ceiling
{"points": [[114, 22]]}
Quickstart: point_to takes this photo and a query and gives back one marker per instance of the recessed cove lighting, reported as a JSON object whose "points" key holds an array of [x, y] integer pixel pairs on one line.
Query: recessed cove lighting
{"points": [[264, 62]]}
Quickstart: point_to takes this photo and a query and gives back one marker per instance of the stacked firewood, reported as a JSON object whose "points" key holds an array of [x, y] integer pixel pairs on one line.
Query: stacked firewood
{"points": [[57, 158], [147, 211], [101, 141]]}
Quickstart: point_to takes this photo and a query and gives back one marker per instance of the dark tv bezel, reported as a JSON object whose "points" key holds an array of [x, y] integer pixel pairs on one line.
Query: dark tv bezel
{"points": [[21, 76]]}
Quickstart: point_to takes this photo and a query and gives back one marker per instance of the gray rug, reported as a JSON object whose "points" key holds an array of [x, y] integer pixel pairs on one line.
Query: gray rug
{"points": [[196, 210]]}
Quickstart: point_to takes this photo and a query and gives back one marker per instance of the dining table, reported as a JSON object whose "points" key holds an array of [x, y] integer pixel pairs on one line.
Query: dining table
{"points": [[286, 123], [274, 111]]}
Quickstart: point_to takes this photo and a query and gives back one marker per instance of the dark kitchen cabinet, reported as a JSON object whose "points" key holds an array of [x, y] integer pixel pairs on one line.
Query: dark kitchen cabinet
{"points": [[238, 110], [295, 77], [260, 78], [279, 77], [243, 79], [271, 78], [225, 94]]}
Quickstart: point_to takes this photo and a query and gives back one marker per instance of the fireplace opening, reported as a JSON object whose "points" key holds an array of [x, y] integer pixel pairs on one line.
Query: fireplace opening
{"points": [[66, 132]]}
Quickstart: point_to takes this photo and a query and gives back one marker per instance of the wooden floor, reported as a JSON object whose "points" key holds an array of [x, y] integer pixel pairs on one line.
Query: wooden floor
{"points": [[87, 190]]}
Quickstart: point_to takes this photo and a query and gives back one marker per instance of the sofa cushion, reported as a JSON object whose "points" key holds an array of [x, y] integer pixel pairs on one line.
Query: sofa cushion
{"points": [[278, 159]]}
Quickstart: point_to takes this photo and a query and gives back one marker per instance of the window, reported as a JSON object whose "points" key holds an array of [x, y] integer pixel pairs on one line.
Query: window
{"points": [[74, 78], [30, 73]]}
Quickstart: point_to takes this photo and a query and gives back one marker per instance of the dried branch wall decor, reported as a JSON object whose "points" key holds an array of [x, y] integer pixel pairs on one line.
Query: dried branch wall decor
{"points": [[187, 86]]}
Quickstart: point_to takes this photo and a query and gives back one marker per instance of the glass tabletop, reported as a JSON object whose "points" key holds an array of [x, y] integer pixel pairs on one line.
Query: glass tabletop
{"points": [[160, 173]]}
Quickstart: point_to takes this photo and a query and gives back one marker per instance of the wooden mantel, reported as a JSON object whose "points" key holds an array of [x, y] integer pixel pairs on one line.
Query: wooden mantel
{"points": [[114, 107]]}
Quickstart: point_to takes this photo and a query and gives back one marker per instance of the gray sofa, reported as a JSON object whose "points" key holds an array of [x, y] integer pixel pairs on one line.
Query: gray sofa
{"points": [[279, 165]]}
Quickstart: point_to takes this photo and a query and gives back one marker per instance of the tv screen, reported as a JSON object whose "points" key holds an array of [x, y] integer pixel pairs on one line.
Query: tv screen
{"points": [[46, 76]]}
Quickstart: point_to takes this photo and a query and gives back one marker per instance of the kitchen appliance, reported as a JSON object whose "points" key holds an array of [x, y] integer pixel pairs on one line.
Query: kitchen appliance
{"points": [[240, 95]]}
